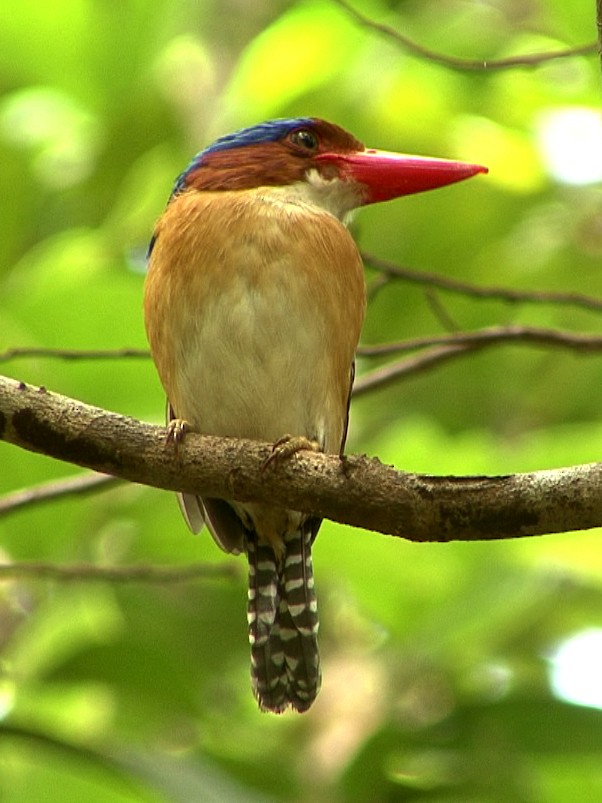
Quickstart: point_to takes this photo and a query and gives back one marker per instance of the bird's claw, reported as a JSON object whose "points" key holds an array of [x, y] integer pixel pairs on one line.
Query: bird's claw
{"points": [[176, 431], [288, 445]]}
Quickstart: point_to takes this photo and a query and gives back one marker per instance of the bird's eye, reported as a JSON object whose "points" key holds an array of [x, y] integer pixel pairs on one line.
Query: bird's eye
{"points": [[304, 139]]}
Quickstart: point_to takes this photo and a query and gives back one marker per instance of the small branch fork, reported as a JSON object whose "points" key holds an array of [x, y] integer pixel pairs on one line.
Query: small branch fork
{"points": [[354, 490], [435, 280], [444, 348]]}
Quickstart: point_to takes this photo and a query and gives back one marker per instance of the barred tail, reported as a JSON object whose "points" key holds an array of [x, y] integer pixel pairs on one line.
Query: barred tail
{"points": [[283, 623]]}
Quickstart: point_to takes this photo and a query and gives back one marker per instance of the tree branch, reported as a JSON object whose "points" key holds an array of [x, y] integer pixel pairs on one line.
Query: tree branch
{"points": [[85, 572], [456, 63], [444, 348], [476, 291], [587, 343], [408, 366], [354, 490], [73, 354], [79, 485]]}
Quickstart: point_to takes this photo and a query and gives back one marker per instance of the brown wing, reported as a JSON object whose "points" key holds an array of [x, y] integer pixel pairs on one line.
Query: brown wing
{"points": [[346, 427], [223, 523]]}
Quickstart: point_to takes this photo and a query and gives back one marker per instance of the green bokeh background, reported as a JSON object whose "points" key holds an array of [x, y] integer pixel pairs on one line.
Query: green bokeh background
{"points": [[436, 657]]}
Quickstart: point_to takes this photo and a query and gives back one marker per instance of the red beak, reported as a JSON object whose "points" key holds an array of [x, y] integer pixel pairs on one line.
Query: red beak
{"points": [[387, 175]]}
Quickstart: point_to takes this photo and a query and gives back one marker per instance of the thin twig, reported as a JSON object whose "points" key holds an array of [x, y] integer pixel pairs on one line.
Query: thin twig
{"points": [[457, 63], [448, 347], [45, 492], [493, 336], [599, 25], [41, 742], [74, 354], [156, 575], [475, 291], [439, 311], [407, 366], [376, 285]]}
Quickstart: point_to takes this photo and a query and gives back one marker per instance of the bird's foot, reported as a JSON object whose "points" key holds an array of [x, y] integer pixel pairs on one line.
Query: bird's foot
{"points": [[176, 431], [288, 445]]}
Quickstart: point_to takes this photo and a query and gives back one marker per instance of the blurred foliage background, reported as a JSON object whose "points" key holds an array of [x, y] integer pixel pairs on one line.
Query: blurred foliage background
{"points": [[459, 672]]}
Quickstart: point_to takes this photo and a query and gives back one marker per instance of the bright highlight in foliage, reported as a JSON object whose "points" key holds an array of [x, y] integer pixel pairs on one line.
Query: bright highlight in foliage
{"points": [[570, 140], [577, 668]]}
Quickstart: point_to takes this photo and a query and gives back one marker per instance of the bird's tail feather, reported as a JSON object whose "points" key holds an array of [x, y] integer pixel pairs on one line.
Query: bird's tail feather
{"points": [[283, 623]]}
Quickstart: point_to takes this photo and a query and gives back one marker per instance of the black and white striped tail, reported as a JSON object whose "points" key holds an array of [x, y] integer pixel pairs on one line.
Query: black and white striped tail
{"points": [[283, 623]]}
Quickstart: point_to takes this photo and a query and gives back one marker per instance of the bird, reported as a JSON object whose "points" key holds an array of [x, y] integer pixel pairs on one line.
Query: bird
{"points": [[254, 302]]}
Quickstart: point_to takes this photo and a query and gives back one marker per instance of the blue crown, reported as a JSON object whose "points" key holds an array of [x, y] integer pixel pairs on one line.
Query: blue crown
{"points": [[269, 131]]}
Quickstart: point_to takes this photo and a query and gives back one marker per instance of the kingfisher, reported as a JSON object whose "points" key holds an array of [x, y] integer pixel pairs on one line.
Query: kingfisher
{"points": [[254, 301]]}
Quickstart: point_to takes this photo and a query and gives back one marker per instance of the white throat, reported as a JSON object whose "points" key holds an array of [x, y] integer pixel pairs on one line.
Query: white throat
{"points": [[338, 197]]}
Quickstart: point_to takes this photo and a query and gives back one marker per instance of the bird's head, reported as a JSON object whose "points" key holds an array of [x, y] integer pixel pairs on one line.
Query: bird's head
{"points": [[332, 165]]}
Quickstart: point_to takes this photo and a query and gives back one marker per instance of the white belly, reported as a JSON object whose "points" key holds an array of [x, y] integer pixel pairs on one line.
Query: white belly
{"points": [[259, 365]]}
